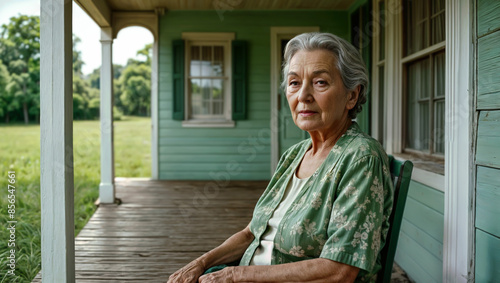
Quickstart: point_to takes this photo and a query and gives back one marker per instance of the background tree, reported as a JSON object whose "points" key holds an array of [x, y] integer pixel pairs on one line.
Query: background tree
{"points": [[135, 85], [20, 47], [5, 98]]}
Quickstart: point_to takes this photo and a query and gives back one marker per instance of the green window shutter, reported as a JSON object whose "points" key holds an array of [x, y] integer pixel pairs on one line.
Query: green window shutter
{"points": [[178, 79], [239, 79]]}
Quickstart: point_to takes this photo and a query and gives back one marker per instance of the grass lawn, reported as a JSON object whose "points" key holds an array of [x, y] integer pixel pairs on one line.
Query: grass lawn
{"points": [[20, 152]]}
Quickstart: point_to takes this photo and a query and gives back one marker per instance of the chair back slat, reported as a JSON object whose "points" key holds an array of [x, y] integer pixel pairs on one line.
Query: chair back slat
{"points": [[401, 176]]}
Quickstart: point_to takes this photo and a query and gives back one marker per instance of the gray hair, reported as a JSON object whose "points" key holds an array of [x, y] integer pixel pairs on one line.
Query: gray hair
{"points": [[349, 61]]}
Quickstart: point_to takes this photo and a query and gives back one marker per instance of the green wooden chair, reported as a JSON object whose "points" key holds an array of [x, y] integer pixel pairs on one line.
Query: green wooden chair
{"points": [[401, 175]]}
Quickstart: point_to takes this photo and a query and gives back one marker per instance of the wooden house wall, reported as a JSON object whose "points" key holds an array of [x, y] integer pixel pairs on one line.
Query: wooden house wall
{"points": [[242, 152], [420, 245], [488, 141]]}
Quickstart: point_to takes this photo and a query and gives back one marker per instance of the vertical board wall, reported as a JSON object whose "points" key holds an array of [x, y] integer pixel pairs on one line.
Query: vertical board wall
{"points": [[242, 152], [488, 140]]}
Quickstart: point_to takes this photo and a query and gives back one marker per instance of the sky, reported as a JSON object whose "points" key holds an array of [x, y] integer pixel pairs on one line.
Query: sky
{"points": [[125, 46]]}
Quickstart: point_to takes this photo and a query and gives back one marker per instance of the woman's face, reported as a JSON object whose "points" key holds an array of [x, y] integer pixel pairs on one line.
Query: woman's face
{"points": [[315, 92]]}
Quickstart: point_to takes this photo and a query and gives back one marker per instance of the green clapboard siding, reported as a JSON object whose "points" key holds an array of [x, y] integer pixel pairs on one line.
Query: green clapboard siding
{"points": [[487, 257], [420, 245], [488, 200], [488, 79], [488, 139], [202, 153], [488, 16]]}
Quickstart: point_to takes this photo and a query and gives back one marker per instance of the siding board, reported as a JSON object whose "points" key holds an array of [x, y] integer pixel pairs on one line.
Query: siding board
{"points": [[488, 16], [488, 64], [428, 196], [429, 243], [426, 261], [488, 200], [488, 139], [421, 239], [487, 257], [214, 149], [423, 216]]}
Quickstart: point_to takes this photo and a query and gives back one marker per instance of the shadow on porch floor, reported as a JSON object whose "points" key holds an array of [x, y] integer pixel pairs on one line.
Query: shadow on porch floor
{"points": [[160, 226]]}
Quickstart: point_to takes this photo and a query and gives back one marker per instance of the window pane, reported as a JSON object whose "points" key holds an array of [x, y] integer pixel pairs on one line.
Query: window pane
{"points": [[195, 66], [196, 100], [419, 79], [439, 74], [419, 89], [418, 126], [217, 97], [206, 92], [438, 21], [218, 65], [439, 126], [206, 57], [206, 96], [381, 55], [417, 25]]}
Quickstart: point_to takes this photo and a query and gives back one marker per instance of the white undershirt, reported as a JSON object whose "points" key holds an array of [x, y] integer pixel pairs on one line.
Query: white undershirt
{"points": [[262, 255]]}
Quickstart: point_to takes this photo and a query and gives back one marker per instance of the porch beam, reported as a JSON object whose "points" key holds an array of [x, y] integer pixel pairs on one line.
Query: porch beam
{"points": [[98, 10], [56, 142], [107, 185]]}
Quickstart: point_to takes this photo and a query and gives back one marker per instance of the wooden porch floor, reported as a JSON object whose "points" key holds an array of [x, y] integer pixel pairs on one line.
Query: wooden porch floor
{"points": [[159, 227]]}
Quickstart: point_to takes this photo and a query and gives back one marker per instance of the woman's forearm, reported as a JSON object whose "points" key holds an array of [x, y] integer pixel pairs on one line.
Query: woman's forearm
{"points": [[232, 249], [314, 270]]}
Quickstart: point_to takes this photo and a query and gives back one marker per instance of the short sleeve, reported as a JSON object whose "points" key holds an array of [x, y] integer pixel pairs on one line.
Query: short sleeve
{"points": [[359, 214]]}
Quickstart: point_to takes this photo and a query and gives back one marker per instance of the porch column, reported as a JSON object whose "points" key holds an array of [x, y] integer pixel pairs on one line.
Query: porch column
{"points": [[107, 185], [56, 142], [459, 184]]}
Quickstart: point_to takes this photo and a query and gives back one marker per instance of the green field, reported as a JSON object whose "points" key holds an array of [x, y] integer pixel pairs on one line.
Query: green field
{"points": [[20, 152]]}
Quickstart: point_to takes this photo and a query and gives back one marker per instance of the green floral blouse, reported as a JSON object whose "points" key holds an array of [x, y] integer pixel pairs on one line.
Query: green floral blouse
{"points": [[342, 211]]}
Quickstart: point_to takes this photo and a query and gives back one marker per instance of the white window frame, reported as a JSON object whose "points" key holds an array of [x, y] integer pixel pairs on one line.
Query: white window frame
{"points": [[209, 38], [377, 62], [394, 89]]}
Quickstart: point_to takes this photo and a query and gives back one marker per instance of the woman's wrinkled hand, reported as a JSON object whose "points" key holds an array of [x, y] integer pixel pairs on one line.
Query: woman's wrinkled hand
{"points": [[188, 274], [222, 276]]}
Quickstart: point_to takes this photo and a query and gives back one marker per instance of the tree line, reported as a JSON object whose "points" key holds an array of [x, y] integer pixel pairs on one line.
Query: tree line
{"points": [[20, 78]]}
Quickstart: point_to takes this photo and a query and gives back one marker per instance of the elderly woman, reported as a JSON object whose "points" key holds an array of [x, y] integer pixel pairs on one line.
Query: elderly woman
{"points": [[324, 215]]}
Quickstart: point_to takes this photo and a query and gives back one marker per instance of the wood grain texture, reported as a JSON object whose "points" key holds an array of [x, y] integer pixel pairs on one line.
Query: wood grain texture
{"points": [[423, 264], [420, 246], [159, 227], [488, 64], [488, 200], [488, 139], [174, 5], [487, 257], [488, 16]]}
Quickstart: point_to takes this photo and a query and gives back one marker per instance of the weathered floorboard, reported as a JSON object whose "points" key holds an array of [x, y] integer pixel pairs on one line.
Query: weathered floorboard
{"points": [[159, 227]]}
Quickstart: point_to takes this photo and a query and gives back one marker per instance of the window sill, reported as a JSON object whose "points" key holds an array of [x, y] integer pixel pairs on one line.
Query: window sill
{"points": [[208, 124], [427, 172]]}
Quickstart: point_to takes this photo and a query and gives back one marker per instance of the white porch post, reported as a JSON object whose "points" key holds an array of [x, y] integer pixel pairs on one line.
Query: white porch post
{"points": [[154, 112], [458, 256], [56, 142], [107, 185]]}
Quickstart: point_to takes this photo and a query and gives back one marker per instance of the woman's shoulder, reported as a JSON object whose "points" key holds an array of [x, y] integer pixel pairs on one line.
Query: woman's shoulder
{"points": [[361, 146]]}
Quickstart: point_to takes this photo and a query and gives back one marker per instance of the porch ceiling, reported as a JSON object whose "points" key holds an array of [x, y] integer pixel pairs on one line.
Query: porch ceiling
{"points": [[135, 5], [101, 11]]}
